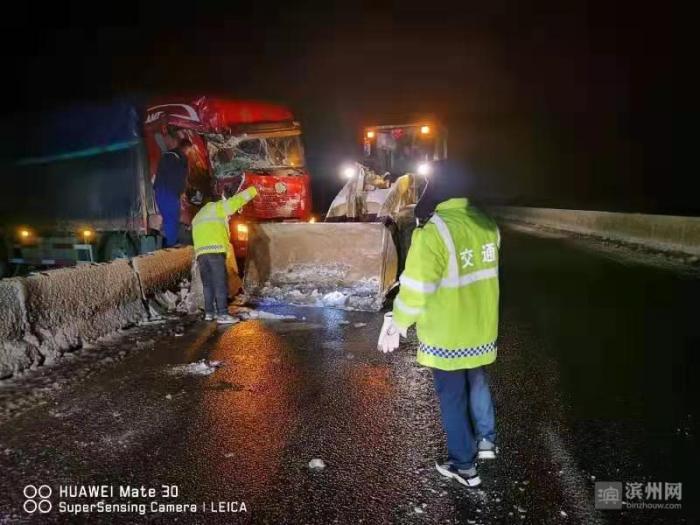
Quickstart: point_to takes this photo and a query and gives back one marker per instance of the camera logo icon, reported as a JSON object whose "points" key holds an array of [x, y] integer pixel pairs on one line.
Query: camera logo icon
{"points": [[37, 499]]}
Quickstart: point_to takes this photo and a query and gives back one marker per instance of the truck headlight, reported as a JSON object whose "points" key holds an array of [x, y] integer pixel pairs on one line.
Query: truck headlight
{"points": [[424, 169], [349, 172], [242, 232]]}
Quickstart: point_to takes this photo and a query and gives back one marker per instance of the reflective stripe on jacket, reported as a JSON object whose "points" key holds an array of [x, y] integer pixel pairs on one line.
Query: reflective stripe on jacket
{"points": [[210, 232], [449, 288]]}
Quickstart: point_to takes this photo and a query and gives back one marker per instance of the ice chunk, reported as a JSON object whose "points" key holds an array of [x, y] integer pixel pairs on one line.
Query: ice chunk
{"points": [[317, 464], [199, 368], [260, 314], [359, 325], [335, 298]]}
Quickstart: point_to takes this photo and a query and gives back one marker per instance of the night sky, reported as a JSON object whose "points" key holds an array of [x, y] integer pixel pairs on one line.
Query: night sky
{"points": [[547, 105]]}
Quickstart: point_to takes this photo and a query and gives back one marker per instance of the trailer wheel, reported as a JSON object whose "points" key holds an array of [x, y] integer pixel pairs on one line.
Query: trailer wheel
{"points": [[116, 245]]}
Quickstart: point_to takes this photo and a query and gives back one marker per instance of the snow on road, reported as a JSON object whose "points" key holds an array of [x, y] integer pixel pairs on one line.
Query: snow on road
{"points": [[199, 368]]}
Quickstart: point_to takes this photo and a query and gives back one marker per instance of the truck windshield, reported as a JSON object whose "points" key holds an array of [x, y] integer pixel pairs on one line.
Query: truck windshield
{"points": [[230, 155], [399, 149]]}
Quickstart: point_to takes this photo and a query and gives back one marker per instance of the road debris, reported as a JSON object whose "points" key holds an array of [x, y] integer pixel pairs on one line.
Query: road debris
{"points": [[199, 368], [317, 464]]}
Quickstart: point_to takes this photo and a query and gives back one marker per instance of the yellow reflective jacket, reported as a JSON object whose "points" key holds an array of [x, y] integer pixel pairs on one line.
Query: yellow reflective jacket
{"points": [[449, 288], [210, 226]]}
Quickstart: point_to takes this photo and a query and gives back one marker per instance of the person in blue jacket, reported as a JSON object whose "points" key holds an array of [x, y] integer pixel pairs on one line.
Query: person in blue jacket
{"points": [[169, 185]]}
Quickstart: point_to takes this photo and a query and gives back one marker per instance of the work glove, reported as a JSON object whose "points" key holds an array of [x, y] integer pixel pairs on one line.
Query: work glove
{"points": [[389, 335]]}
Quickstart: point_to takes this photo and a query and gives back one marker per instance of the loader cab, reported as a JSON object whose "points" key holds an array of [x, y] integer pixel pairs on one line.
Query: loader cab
{"points": [[399, 149]]}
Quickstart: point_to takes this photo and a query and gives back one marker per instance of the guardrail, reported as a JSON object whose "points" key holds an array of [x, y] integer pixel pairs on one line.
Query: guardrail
{"points": [[660, 232], [48, 313]]}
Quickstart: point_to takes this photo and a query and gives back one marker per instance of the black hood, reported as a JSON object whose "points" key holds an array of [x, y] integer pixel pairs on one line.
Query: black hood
{"points": [[447, 181]]}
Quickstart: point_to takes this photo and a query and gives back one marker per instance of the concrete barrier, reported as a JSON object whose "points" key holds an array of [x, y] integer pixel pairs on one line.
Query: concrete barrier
{"points": [[18, 349], [163, 269], [46, 314], [69, 306], [660, 232]]}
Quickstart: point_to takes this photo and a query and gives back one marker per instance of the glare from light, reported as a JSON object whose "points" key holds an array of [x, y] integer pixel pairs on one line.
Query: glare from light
{"points": [[312, 220], [87, 233], [370, 134], [242, 228], [425, 130], [424, 169], [24, 234], [349, 172]]}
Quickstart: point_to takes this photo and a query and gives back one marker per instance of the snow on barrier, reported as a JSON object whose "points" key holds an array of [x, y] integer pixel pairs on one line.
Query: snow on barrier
{"points": [[17, 348], [46, 314], [69, 306], [163, 269], [661, 232]]}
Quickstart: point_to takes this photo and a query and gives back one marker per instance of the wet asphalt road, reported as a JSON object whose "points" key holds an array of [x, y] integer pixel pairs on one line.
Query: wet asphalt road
{"points": [[594, 381]]}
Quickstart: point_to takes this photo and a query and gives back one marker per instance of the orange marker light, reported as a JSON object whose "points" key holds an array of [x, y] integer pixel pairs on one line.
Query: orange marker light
{"points": [[370, 134], [87, 233], [425, 130], [24, 234]]}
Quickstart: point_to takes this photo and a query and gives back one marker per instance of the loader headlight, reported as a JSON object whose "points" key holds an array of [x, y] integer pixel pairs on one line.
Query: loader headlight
{"points": [[348, 171], [424, 169], [25, 235]]}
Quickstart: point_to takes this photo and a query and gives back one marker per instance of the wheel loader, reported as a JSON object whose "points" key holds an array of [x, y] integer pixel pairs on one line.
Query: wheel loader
{"points": [[353, 257]]}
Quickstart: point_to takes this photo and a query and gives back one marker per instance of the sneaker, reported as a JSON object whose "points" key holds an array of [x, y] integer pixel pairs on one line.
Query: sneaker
{"points": [[208, 317], [487, 450], [226, 319], [467, 477]]}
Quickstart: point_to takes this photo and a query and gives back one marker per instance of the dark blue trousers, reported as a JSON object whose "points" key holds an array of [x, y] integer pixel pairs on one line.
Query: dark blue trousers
{"points": [[212, 269], [467, 412], [169, 208]]}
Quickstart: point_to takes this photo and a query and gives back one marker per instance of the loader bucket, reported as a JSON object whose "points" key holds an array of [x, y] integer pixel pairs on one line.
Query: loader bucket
{"points": [[343, 265]]}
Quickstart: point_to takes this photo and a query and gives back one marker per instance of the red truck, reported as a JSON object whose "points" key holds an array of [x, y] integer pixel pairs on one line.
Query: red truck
{"points": [[83, 189], [236, 144]]}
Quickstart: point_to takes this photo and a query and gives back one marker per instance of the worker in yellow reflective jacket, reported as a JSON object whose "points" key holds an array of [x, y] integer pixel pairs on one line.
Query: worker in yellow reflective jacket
{"points": [[211, 238], [449, 290]]}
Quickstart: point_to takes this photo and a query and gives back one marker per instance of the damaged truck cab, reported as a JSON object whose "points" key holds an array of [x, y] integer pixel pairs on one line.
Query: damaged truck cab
{"points": [[78, 183], [236, 144]]}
